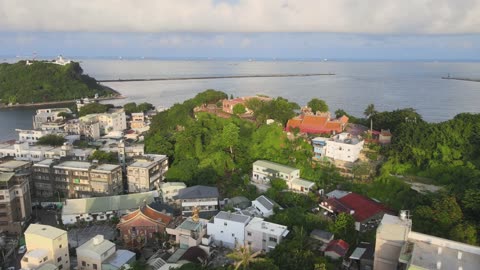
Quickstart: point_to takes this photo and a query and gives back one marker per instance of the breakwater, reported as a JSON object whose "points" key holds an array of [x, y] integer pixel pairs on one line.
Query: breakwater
{"points": [[218, 77], [461, 79]]}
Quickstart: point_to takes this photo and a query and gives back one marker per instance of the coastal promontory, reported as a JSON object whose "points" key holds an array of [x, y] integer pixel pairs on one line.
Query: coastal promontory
{"points": [[33, 82]]}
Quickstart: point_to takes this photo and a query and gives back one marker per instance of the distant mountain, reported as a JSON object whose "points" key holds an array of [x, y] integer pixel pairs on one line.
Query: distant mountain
{"points": [[42, 81]]}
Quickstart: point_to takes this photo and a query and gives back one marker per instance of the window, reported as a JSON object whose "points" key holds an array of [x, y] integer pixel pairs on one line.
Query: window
{"points": [[225, 223], [2, 197], [94, 266], [272, 239], [249, 233], [59, 259], [60, 246], [233, 235], [45, 259], [249, 243], [83, 263], [60, 267]]}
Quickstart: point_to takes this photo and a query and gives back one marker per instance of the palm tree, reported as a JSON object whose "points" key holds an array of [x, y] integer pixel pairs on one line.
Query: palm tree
{"points": [[243, 256], [369, 113]]}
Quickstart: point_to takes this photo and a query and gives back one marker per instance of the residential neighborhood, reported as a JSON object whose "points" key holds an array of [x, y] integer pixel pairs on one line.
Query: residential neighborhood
{"points": [[110, 204]]}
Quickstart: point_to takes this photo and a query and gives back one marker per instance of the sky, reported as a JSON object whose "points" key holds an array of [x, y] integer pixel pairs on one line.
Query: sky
{"points": [[263, 29]]}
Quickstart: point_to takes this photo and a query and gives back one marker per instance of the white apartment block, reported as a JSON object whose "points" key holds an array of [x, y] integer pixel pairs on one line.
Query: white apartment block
{"points": [[146, 172], [32, 136], [264, 171], [46, 244], [48, 115], [262, 235], [397, 247], [88, 127], [228, 229], [110, 121], [26, 152], [169, 190], [343, 147], [94, 252]]}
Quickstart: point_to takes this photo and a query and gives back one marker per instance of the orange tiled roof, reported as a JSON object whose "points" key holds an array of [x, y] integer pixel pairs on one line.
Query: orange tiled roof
{"points": [[148, 212], [317, 124]]}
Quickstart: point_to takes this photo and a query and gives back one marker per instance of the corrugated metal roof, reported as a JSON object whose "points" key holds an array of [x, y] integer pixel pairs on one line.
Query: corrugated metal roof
{"points": [[109, 203], [274, 166]]}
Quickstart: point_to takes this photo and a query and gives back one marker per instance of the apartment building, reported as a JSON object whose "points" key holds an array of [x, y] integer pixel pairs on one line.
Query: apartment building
{"points": [[111, 121], [146, 172], [228, 229], [263, 235], [46, 245], [31, 136], [26, 152], [138, 121], [76, 179], [15, 202], [48, 115], [398, 247], [89, 127]]}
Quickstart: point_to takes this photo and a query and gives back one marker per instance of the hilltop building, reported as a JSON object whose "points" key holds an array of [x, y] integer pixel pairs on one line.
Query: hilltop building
{"points": [[46, 245], [228, 104], [343, 147], [264, 171], [320, 123]]}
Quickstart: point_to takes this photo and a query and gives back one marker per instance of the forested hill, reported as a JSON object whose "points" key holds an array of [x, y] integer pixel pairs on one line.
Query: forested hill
{"points": [[43, 82]]}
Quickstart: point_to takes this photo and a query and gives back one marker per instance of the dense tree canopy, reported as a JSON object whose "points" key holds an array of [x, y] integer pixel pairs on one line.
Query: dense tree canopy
{"points": [[43, 81], [94, 108], [51, 139], [132, 107], [318, 105]]}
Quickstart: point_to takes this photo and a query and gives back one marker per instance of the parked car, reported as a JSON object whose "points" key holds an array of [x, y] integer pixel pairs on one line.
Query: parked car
{"points": [[22, 249], [51, 207]]}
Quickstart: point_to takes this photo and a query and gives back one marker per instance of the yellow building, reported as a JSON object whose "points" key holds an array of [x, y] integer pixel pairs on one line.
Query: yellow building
{"points": [[46, 245]]}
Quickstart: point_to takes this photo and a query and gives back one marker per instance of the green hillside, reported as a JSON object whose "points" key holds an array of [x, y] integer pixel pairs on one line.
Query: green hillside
{"points": [[44, 82]]}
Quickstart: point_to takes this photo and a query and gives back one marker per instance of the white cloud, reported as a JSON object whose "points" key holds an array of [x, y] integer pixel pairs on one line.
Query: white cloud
{"points": [[344, 16]]}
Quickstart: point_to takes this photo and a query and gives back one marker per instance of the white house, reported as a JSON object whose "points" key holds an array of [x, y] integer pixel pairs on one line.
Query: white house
{"points": [[202, 197], [264, 171], [343, 147], [264, 206], [31, 136], [228, 229], [94, 252], [262, 235]]}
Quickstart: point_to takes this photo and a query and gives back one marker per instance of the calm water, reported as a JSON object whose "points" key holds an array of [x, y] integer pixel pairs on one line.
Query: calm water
{"points": [[389, 85]]}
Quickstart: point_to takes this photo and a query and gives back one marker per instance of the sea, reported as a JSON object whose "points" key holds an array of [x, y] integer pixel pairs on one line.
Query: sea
{"points": [[388, 85]]}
